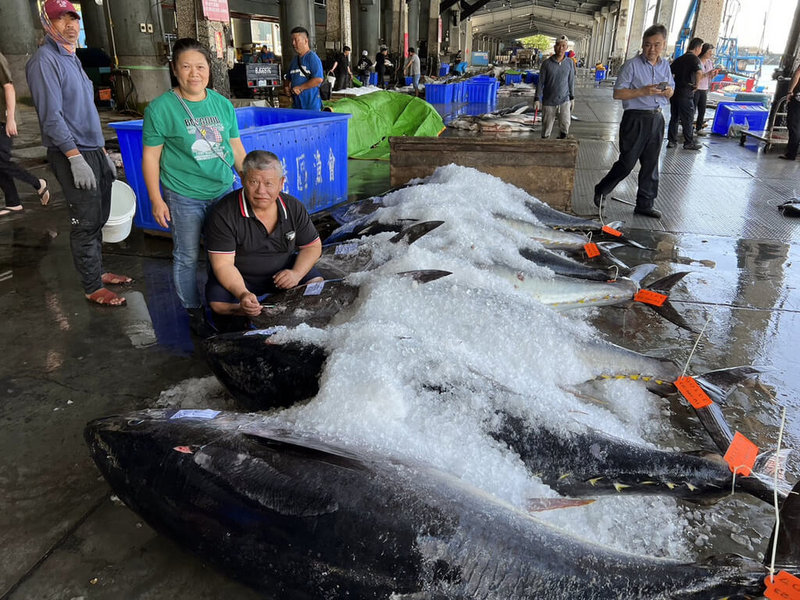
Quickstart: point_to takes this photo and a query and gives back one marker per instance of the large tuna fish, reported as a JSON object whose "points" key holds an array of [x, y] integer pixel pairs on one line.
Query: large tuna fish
{"points": [[301, 519]]}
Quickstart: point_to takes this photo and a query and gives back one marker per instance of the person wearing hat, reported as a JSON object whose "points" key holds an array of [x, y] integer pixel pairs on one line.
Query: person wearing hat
{"points": [[412, 62], [364, 67], [556, 90], [64, 99]]}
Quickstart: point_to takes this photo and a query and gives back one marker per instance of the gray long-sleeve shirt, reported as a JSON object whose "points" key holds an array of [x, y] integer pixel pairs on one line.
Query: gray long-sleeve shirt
{"points": [[64, 99], [556, 81]]}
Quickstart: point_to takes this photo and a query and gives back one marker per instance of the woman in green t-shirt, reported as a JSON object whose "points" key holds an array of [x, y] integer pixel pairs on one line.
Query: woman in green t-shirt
{"points": [[191, 144]]}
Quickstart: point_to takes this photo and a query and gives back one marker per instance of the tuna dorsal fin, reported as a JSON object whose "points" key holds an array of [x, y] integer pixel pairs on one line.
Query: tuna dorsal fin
{"points": [[787, 532], [414, 232]]}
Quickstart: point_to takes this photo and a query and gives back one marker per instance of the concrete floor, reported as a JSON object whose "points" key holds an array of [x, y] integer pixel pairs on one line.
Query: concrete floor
{"points": [[61, 535]]}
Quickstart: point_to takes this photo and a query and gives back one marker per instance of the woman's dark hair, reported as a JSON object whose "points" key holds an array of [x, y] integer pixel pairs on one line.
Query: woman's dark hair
{"points": [[181, 46], [706, 47]]}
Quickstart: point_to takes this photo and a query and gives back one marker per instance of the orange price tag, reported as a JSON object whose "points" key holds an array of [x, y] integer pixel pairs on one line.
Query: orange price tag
{"points": [[611, 231], [741, 455], [692, 391], [650, 297], [785, 586], [591, 250]]}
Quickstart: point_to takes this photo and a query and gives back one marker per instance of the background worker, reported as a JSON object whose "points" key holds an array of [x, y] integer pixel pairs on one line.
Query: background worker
{"points": [[71, 132], [556, 90], [793, 117], [305, 73], [341, 70], [644, 85], [701, 94], [381, 64], [412, 66], [364, 67], [687, 71]]}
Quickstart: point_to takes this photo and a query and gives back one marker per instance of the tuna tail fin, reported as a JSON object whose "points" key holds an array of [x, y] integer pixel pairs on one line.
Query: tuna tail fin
{"points": [[605, 250], [720, 384], [425, 275], [787, 533], [666, 310], [639, 272], [412, 233]]}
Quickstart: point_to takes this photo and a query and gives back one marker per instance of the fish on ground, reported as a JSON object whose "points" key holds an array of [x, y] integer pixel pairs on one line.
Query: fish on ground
{"points": [[299, 517]]}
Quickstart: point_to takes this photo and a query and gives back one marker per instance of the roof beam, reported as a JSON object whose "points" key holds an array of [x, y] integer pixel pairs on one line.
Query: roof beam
{"points": [[468, 9]]}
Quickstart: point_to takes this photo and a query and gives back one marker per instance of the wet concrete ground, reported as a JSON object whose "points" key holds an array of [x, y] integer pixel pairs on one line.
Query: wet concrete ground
{"points": [[69, 361]]}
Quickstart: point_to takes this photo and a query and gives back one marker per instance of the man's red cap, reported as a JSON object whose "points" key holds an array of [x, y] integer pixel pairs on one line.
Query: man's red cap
{"points": [[55, 9]]}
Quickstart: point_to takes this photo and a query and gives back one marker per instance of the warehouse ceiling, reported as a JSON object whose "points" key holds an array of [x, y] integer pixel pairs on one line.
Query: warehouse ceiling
{"points": [[512, 19]]}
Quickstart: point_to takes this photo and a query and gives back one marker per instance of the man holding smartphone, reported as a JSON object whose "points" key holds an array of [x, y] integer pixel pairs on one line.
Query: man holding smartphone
{"points": [[644, 85], [687, 70]]}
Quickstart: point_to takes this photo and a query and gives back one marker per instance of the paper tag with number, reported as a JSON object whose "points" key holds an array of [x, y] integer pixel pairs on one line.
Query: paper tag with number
{"points": [[650, 297], [785, 586], [611, 231], [691, 390], [349, 248], [314, 289], [591, 249], [741, 455]]}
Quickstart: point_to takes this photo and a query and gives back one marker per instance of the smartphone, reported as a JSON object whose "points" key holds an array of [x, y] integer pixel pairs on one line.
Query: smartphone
{"points": [[663, 85]]}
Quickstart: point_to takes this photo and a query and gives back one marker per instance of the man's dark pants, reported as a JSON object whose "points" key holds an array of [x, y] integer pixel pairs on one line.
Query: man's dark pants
{"points": [[681, 108], [641, 134], [10, 170], [88, 212], [793, 124]]}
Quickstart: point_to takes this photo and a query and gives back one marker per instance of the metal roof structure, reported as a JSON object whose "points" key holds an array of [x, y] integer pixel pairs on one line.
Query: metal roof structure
{"points": [[512, 19]]}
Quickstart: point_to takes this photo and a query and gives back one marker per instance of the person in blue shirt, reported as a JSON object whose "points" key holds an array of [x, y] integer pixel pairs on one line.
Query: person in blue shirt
{"points": [[305, 73], [645, 85]]}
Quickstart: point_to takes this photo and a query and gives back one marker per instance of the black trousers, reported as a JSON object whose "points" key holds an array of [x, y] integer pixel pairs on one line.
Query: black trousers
{"points": [[88, 212], [641, 134], [10, 170], [793, 123], [701, 99], [681, 107]]}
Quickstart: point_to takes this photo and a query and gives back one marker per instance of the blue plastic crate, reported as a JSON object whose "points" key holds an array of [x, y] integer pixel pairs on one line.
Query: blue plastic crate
{"points": [[373, 79], [311, 145], [512, 78], [459, 92], [439, 93], [444, 70], [730, 113], [409, 80], [481, 91]]}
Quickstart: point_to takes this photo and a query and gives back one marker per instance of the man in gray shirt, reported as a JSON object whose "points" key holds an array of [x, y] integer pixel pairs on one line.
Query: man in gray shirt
{"points": [[412, 62], [556, 89], [644, 85], [72, 134]]}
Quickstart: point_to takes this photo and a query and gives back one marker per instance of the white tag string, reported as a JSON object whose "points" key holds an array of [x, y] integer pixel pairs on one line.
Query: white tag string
{"points": [[775, 499], [694, 348]]}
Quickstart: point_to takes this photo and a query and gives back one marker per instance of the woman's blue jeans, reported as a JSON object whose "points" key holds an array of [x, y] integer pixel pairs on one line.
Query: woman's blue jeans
{"points": [[188, 216]]}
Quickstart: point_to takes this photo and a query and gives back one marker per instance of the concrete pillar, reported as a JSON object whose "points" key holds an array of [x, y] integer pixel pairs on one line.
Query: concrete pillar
{"points": [[18, 37], [621, 39], [369, 25], [297, 13], [637, 28], [606, 24], [434, 47], [413, 22], [136, 50], [94, 24], [709, 19], [666, 11], [337, 26]]}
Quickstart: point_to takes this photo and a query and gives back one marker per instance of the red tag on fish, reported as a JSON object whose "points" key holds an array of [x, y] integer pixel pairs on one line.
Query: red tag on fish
{"points": [[183, 449], [741, 455], [611, 231], [650, 297], [692, 391], [784, 586], [591, 250]]}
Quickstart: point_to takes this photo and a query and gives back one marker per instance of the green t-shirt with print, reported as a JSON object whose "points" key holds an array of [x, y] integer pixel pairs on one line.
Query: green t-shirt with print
{"points": [[191, 157]]}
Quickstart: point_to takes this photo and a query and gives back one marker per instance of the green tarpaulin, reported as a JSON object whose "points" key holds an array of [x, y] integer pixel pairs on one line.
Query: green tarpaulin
{"points": [[381, 115]]}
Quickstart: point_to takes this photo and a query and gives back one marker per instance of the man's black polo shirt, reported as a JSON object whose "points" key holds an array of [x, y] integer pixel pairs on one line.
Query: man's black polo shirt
{"points": [[684, 70], [232, 227]]}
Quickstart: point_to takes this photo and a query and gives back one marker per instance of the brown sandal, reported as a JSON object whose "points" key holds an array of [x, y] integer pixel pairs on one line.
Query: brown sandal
{"points": [[114, 279], [106, 298]]}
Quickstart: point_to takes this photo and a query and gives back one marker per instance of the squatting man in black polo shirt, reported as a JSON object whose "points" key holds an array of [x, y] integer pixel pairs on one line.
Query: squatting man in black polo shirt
{"points": [[259, 240]]}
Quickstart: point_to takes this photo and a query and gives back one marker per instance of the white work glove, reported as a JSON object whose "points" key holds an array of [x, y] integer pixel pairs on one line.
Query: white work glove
{"points": [[111, 166], [537, 105], [82, 174]]}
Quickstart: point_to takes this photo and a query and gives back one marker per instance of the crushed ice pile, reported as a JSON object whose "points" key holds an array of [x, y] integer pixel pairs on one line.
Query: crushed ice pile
{"points": [[418, 370]]}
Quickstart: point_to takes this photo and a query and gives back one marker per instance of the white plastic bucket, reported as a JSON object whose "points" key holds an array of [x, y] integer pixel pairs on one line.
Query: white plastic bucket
{"points": [[123, 207]]}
